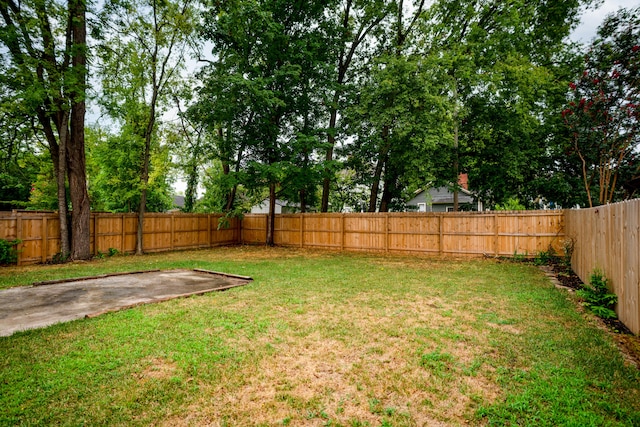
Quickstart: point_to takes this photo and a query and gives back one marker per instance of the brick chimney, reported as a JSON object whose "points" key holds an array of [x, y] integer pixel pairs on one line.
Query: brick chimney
{"points": [[463, 181]]}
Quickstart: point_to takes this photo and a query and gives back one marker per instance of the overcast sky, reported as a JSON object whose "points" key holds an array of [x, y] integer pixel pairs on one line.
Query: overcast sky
{"points": [[591, 19]]}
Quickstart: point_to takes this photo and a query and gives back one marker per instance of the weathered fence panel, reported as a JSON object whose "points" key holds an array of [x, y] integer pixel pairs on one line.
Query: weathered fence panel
{"points": [[465, 233], [254, 229], [40, 235], [607, 238]]}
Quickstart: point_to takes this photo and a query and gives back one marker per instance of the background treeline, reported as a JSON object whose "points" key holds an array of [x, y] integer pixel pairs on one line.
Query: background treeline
{"points": [[330, 105]]}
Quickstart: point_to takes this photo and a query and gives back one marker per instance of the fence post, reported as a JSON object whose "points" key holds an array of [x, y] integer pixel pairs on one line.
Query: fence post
{"points": [[45, 237], [19, 237], [173, 226], [241, 221], [124, 224], [95, 233], [386, 232], [301, 230], [496, 234], [440, 234], [342, 232]]}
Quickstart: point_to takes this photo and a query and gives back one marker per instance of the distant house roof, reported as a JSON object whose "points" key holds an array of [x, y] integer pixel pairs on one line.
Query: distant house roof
{"points": [[442, 195], [281, 205], [178, 201], [440, 199]]}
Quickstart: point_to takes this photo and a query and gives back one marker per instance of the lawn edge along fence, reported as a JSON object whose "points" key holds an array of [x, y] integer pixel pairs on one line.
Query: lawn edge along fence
{"points": [[608, 238], [605, 237]]}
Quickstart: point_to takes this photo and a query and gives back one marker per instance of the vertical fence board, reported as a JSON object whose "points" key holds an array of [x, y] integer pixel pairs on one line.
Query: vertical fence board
{"points": [[458, 234], [631, 275], [608, 238]]}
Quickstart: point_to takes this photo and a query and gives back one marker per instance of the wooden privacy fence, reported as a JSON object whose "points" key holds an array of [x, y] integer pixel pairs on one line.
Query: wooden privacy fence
{"points": [[607, 238], [503, 233], [40, 235], [464, 233]]}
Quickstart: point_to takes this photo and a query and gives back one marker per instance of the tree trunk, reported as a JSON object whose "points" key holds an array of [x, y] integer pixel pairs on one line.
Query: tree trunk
{"points": [[81, 214], [456, 171], [303, 201], [192, 186], [331, 141], [375, 186], [345, 58], [456, 163], [271, 223], [382, 159], [144, 178], [143, 200], [58, 151], [385, 200], [388, 191]]}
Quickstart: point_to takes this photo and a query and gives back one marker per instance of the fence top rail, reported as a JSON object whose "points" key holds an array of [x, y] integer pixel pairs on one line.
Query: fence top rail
{"points": [[25, 213], [610, 205], [176, 214], [417, 214], [15, 213]]}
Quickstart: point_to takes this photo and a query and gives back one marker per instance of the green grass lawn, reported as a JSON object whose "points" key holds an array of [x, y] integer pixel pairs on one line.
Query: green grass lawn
{"points": [[320, 338]]}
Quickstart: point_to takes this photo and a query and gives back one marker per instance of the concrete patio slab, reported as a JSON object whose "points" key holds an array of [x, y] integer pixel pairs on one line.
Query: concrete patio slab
{"points": [[47, 303]]}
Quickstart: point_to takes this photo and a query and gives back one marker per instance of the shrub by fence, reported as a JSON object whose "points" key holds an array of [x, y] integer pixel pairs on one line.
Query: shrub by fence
{"points": [[607, 237]]}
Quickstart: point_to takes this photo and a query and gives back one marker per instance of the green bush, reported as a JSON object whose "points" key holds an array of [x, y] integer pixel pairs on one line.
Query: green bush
{"points": [[544, 257], [8, 251], [597, 296], [113, 251]]}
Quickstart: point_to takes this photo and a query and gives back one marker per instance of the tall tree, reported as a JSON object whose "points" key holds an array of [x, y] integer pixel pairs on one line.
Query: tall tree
{"points": [[358, 22], [113, 162], [397, 119], [504, 62], [270, 57], [144, 51], [603, 114], [222, 115], [45, 56], [191, 144], [19, 164]]}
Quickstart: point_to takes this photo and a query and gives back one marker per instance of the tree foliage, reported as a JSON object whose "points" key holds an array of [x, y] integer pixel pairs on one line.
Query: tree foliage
{"points": [[114, 167], [18, 163], [504, 62], [261, 93], [324, 104], [603, 114], [44, 70], [144, 49]]}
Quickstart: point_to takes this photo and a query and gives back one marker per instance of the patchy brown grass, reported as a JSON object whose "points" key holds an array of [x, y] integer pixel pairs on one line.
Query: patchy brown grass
{"points": [[360, 359], [323, 338]]}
